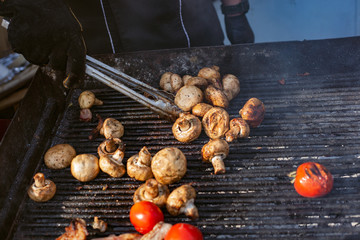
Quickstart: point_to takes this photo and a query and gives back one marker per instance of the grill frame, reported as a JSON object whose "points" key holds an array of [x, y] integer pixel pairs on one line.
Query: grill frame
{"points": [[322, 105]]}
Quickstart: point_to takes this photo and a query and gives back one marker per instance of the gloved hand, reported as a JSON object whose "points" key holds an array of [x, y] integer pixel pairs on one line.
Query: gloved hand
{"points": [[238, 29], [47, 32]]}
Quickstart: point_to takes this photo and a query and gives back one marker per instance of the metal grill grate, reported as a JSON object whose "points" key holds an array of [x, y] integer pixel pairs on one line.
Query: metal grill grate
{"points": [[310, 118]]}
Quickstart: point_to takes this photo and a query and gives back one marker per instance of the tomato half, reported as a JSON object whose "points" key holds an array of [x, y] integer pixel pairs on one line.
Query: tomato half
{"points": [[184, 231], [313, 180], [145, 215]]}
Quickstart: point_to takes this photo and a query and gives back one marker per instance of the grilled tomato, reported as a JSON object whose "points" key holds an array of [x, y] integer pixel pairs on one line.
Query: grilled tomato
{"points": [[312, 180], [184, 231], [145, 215]]}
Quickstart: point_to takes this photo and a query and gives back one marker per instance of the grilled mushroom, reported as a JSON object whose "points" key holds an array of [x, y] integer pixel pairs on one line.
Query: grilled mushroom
{"points": [[99, 224], [59, 156], [176, 82], [186, 128], [42, 190], [171, 82], [138, 166], [112, 128], [111, 152], [212, 75], [253, 112], [198, 82], [238, 129], [87, 99], [85, 167], [181, 200], [187, 97], [152, 191], [169, 165], [215, 151], [231, 86], [216, 122], [185, 78], [216, 97], [200, 109], [75, 231]]}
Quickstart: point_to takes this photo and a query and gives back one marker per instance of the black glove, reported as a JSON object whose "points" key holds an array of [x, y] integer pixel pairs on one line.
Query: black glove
{"points": [[47, 32], [237, 26]]}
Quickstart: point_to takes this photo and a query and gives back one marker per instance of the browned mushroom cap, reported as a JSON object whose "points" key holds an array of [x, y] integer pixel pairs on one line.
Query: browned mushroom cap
{"points": [[238, 129], [200, 109], [212, 75], [76, 230], [231, 86], [216, 96], [165, 81], [169, 165], [152, 191], [181, 200], [216, 122], [99, 224], [87, 99], [85, 167], [186, 128], [198, 82], [253, 112], [138, 166], [176, 82], [112, 128], [42, 189], [59, 156], [187, 97], [185, 78], [215, 151], [111, 152]]}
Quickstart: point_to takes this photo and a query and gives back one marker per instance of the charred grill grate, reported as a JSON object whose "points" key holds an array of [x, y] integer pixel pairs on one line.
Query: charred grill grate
{"points": [[310, 118]]}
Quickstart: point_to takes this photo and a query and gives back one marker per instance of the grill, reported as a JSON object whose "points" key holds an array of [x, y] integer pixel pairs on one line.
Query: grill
{"points": [[311, 115]]}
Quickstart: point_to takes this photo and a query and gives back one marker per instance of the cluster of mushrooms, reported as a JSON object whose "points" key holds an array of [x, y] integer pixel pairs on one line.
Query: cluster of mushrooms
{"points": [[206, 96]]}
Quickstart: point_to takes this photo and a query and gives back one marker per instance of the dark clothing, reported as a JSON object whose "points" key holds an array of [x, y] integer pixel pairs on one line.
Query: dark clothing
{"points": [[147, 24]]}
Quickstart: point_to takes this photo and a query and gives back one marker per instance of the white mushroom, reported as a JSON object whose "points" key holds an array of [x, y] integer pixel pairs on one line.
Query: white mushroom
{"points": [[87, 99], [181, 201], [187, 97], [186, 128], [42, 190], [59, 156], [112, 128], [85, 167], [215, 151]]}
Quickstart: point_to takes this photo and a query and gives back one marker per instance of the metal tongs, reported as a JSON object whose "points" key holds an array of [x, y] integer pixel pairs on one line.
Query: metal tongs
{"points": [[158, 100]]}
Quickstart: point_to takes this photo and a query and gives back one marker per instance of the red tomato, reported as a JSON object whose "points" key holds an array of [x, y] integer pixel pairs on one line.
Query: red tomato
{"points": [[183, 231], [145, 215], [313, 180]]}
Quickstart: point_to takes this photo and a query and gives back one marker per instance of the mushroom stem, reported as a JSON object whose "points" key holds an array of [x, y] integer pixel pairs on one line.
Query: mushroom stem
{"points": [[232, 134], [151, 189], [39, 179], [144, 157], [98, 102], [218, 164], [118, 156], [184, 125], [190, 210]]}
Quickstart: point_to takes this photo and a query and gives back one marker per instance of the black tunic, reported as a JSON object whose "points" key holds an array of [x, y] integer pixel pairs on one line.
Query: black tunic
{"points": [[133, 25]]}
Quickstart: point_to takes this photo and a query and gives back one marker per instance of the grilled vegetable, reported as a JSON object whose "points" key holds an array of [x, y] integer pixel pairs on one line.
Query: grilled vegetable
{"points": [[152, 191], [215, 151], [85, 167], [186, 128], [42, 190], [183, 231], [181, 201], [59, 156], [145, 215], [253, 112]]}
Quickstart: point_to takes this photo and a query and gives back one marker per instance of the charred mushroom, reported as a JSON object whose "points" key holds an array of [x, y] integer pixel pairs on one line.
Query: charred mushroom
{"points": [[238, 129], [216, 96], [200, 109], [85, 167], [253, 112], [187, 97], [198, 82], [181, 200], [216, 122], [212, 75], [169, 165], [87, 99], [215, 151], [139, 165], [42, 190], [99, 224], [111, 153], [186, 128], [59, 156], [152, 191], [112, 128], [231, 86], [75, 231]]}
